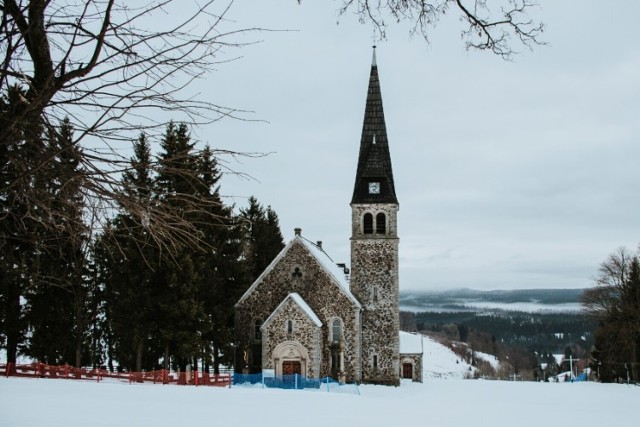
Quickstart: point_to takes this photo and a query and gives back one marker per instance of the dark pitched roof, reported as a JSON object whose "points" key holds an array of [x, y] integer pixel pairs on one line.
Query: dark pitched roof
{"points": [[374, 161]]}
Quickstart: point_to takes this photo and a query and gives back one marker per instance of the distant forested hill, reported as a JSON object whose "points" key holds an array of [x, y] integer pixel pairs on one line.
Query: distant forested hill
{"points": [[535, 321], [462, 299]]}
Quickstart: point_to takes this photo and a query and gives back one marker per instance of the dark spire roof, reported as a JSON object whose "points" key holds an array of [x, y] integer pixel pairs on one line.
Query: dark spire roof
{"points": [[374, 161]]}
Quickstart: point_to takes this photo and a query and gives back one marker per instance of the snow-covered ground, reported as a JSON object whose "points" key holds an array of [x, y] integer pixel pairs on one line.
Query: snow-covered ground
{"points": [[441, 362], [442, 400]]}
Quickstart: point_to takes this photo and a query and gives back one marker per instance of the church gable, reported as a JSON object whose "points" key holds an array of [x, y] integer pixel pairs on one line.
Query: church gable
{"points": [[291, 302], [290, 268], [303, 269], [292, 333]]}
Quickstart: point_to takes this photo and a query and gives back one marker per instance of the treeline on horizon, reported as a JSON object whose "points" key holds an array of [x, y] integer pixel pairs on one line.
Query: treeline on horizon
{"points": [[453, 296], [539, 331]]}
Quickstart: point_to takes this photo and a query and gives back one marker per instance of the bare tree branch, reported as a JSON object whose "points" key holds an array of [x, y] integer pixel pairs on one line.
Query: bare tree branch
{"points": [[109, 67], [498, 28]]}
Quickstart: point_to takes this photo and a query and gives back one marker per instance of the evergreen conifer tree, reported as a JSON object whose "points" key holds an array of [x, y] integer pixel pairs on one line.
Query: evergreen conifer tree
{"points": [[130, 268], [263, 237]]}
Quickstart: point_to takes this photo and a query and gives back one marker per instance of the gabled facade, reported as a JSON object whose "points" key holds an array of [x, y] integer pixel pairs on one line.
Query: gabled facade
{"points": [[301, 301]]}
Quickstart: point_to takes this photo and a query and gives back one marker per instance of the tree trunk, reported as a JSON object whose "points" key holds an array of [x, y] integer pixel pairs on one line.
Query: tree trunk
{"points": [[216, 361], [13, 321], [139, 349], [78, 362], [166, 356], [109, 349]]}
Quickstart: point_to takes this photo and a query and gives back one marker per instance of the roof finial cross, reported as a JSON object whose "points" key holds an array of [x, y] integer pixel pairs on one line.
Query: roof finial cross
{"points": [[373, 61]]}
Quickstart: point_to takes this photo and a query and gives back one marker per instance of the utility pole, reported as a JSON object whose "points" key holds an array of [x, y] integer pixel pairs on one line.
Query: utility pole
{"points": [[571, 360]]}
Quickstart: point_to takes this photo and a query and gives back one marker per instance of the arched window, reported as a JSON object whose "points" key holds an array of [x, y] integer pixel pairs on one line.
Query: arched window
{"points": [[289, 327], [336, 330], [375, 294], [381, 224], [257, 333], [368, 223]]}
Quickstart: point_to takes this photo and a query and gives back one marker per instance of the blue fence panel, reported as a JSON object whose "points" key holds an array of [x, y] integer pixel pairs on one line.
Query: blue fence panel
{"points": [[294, 382]]}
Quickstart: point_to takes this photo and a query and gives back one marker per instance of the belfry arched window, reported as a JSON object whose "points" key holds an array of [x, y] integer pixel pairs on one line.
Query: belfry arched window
{"points": [[367, 223], [381, 223]]}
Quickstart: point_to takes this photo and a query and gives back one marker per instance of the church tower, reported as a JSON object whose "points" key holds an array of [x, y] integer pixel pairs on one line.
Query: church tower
{"points": [[374, 245]]}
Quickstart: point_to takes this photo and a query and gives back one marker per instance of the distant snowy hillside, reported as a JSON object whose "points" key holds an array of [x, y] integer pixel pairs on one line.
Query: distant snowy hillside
{"points": [[441, 362]]}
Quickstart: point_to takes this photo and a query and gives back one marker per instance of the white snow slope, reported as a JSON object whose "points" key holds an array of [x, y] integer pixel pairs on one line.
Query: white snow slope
{"points": [[439, 402]]}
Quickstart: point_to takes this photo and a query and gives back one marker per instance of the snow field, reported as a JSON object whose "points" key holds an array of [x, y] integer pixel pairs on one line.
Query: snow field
{"points": [[47, 402], [442, 400]]}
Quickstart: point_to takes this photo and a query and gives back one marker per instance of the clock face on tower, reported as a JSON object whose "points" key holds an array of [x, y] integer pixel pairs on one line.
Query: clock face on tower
{"points": [[374, 188]]}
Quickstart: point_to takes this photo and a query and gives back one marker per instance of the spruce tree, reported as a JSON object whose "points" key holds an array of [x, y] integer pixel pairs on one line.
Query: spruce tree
{"points": [[130, 267], [263, 237], [222, 271], [57, 298], [178, 309], [22, 151]]}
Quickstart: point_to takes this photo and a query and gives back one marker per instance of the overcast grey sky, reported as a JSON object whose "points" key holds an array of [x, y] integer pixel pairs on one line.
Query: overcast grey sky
{"points": [[509, 174]]}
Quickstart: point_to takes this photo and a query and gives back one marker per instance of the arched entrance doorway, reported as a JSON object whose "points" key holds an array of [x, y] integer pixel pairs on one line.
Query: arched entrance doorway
{"points": [[289, 358]]}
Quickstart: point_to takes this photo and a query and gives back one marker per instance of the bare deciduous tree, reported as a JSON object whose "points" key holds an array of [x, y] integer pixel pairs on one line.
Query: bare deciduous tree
{"points": [[615, 303], [113, 68], [492, 25], [601, 301]]}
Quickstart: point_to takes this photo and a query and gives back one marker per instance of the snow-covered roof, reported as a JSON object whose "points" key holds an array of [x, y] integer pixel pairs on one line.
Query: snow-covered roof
{"points": [[296, 298], [410, 343], [326, 263], [329, 266]]}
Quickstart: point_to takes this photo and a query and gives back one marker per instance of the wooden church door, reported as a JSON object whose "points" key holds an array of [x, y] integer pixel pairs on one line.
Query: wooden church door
{"points": [[290, 367], [407, 370]]}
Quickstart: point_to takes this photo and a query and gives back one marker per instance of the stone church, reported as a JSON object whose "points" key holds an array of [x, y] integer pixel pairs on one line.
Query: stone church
{"points": [[306, 314]]}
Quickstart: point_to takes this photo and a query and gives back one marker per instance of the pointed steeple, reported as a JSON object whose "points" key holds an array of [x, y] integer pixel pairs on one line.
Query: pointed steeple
{"points": [[374, 177]]}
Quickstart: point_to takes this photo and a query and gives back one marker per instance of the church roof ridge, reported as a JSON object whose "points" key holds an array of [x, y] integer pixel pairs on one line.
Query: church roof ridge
{"points": [[295, 297], [329, 266], [325, 261]]}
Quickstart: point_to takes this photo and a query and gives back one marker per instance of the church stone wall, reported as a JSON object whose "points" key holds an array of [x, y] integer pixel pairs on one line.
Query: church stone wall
{"points": [[319, 291]]}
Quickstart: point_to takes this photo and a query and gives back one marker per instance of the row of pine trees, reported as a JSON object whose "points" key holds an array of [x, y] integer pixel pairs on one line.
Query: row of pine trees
{"points": [[114, 293]]}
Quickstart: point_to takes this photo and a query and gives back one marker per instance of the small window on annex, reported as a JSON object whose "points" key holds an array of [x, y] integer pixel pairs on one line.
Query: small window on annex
{"points": [[375, 361], [336, 330], [381, 224], [257, 333], [367, 223]]}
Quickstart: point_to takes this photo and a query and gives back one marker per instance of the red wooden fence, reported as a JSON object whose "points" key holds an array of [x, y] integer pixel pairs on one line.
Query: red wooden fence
{"points": [[162, 376]]}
